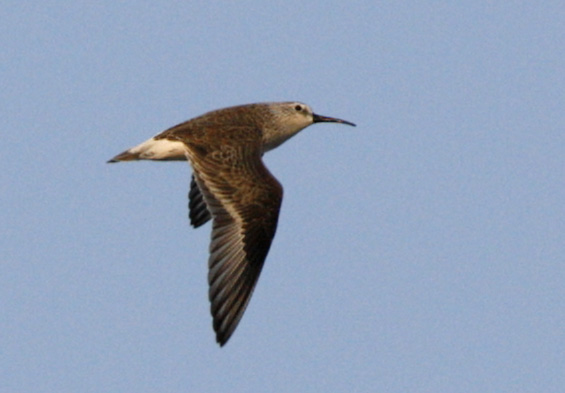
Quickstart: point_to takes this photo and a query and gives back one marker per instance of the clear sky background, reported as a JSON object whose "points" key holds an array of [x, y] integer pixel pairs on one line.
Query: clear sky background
{"points": [[422, 251]]}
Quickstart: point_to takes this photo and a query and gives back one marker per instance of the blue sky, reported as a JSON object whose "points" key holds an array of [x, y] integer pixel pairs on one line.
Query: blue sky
{"points": [[422, 251]]}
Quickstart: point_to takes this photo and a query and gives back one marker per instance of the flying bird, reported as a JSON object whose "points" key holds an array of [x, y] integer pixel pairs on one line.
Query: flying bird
{"points": [[231, 186]]}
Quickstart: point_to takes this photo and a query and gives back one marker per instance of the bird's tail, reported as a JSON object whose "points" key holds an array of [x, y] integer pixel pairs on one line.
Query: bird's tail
{"points": [[154, 149], [125, 156]]}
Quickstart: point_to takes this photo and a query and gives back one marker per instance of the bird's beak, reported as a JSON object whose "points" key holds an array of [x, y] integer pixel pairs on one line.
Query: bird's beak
{"points": [[326, 119]]}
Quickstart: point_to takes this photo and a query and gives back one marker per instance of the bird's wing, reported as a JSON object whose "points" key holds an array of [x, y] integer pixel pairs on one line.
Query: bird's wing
{"points": [[197, 210], [244, 200]]}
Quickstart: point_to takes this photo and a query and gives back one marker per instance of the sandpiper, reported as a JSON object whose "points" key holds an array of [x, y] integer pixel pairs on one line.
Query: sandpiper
{"points": [[232, 186]]}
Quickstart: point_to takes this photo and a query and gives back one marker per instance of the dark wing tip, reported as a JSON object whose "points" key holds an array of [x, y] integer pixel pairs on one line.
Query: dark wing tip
{"points": [[221, 339]]}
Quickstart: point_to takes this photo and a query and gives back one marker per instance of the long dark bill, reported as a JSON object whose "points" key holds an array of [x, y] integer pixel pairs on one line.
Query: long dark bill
{"points": [[326, 119]]}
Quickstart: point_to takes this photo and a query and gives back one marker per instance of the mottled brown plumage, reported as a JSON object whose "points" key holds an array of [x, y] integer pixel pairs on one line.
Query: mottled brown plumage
{"points": [[232, 186]]}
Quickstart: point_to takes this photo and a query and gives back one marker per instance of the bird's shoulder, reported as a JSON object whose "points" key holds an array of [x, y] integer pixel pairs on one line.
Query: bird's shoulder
{"points": [[212, 132], [237, 123]]}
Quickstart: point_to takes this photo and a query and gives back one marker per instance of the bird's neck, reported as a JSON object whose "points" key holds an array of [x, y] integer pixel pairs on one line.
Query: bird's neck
{"points": [[275, 136]]}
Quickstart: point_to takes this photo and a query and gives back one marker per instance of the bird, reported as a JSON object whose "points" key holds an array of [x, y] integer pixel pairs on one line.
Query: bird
{"points": [[231, 186]]}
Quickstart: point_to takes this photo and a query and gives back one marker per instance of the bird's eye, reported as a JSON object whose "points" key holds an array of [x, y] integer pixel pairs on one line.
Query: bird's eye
{"points": [[298, 108]]}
